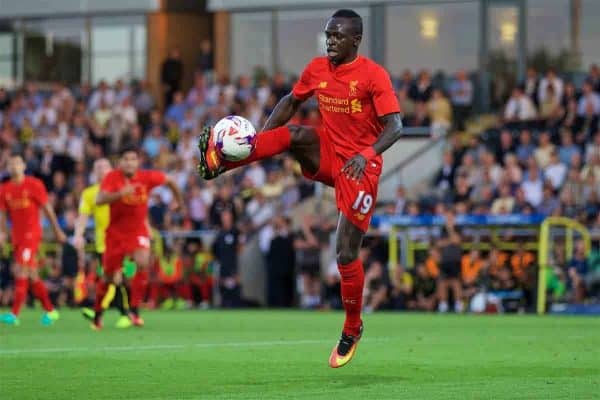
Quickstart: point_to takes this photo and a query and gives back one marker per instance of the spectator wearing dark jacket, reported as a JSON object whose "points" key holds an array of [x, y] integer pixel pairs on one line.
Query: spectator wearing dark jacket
{"points": [[171, 75]]}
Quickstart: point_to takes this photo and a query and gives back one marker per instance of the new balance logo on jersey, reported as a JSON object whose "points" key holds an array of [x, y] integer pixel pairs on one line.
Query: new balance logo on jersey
{"points": [[356, 106], [322, 85], [353, 85]]}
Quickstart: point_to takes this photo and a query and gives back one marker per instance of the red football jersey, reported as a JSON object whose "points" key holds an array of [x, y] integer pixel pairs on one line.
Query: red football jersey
{"points": [[22, 201], [128, 214], [351, 97]]}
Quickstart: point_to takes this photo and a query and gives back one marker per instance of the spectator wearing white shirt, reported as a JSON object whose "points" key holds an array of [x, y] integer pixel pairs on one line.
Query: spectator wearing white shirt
{"points": [[75, 146], [490, 166], [544, 150], [197, 208], [263, 92], [259, 210], [555, 172], [519, 107], [505, 202], [45, 113], [401, 201], [461, 96], [61, 96], [186, 149], [533, 187], [550, 79], [126, 112], [121, 91], [593, 148], [257, 175], [102, 94]]}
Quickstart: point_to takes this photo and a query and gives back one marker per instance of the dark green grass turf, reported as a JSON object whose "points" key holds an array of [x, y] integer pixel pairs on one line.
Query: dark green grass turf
{"points": [[283, 355]]}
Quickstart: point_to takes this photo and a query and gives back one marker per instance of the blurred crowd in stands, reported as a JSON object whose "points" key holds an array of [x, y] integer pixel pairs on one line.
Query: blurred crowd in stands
{"points": [[542, 158]]}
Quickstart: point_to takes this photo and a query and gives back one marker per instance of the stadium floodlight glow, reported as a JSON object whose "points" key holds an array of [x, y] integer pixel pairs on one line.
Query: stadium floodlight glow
{"points": [[429, 27], [508, 31]]}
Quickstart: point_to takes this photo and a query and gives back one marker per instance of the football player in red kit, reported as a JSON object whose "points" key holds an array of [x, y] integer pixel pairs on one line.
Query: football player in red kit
{"points": [[127, 189], [22, 198], [361, 119]]}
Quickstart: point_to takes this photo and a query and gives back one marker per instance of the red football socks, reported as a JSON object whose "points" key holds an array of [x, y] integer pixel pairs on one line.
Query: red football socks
{"points": [[353, 280], [41, 292], [139, 285], [268, 144], [21, 285]]}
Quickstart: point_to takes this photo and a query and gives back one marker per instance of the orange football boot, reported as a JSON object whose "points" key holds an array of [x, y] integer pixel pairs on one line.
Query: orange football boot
{"points": [[344, 351]]}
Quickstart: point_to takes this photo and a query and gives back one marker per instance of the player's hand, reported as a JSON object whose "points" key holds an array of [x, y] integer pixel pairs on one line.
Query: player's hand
{"points": [[78, 242], [355, 167], [61, 237], [127, 190]]}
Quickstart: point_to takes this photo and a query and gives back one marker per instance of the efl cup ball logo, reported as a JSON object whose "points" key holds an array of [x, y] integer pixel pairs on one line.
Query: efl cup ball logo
{"points": [[235, 138]]}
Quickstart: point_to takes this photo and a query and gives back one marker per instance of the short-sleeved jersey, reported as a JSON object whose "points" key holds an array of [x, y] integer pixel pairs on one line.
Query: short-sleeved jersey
{"points": [[101, 214], [128, 214], [351, 99], [22, 201]]}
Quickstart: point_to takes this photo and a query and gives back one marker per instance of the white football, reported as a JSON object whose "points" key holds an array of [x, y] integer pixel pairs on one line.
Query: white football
{"points": [[234, 137]]}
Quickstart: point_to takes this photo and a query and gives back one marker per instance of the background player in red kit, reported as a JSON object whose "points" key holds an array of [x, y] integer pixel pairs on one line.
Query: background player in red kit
{"points": [[360, 121], [127, 190], [21, 198]]}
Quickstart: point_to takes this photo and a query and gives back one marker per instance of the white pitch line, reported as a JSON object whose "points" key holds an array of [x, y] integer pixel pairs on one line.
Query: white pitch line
{"points": [[168, 346]]}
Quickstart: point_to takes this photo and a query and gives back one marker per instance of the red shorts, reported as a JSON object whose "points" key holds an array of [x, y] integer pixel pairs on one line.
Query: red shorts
{"points": [[26, 253], [355, 199], [118, 248]]}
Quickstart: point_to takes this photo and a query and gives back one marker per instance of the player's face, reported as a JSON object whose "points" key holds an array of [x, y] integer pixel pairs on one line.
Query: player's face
{"points": [[129, 163], [16, 167], [342, 43], [102, 168]]}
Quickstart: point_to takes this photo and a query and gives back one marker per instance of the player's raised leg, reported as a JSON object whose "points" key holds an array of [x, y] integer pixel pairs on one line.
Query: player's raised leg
{"points": [[349, 239], [269, 143], [274, 139]]}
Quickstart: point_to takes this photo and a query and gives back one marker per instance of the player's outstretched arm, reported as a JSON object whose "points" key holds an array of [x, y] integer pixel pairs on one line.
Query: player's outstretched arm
{"points": [[176, 192], [283, 112], [392, 131], [80, 224], [58, 233], [3, 227]]}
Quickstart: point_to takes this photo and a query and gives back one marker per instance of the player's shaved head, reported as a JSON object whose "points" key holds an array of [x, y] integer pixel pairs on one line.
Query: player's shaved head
{"points": [[354, 19]]}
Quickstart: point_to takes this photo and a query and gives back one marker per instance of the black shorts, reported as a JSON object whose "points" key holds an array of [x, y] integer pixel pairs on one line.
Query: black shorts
{"points": [[450, 270], [6, 278], [70, 261], [312, 270]]}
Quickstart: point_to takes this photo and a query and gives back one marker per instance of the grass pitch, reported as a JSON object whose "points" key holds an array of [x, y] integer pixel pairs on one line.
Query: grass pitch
{"points": [[283, 355]]}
